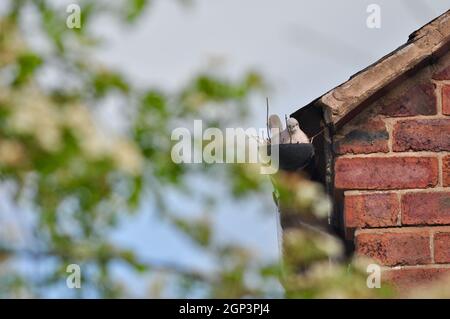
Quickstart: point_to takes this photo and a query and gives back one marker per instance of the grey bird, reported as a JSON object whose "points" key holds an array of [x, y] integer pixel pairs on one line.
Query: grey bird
{"points": [[275, 127], [293, 134]]}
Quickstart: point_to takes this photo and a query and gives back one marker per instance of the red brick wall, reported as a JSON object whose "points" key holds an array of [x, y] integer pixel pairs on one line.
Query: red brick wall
{"points": [[393, 166]]}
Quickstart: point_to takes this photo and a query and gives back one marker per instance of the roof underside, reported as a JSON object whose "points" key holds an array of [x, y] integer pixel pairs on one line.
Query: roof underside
{"points": [[341, 103]]}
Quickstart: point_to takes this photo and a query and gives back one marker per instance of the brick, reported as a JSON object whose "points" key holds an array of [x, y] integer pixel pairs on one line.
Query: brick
{"points": [[395, 248], [443, 74], [418, 100], [371, 210], [446, 100], [368, 137], [405, 279], [422, 135], [446, 170], [442, 247], [426, 208], [386, 172]]}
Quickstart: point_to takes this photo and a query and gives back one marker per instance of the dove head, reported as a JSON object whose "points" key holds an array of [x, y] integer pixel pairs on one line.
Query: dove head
{"points": [[292, 125]]}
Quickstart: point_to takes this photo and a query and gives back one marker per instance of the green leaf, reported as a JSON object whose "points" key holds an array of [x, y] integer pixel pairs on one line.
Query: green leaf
{"points": [[134, 9], [105, 81], [27, 64], [198, 230]]}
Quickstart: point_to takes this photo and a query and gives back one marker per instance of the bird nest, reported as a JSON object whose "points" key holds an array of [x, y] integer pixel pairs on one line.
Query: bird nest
{"points": [[293, 156]]}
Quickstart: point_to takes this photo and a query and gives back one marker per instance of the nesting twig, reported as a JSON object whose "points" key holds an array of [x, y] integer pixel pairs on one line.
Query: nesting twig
{"points": [[287, 128], [267, 120]]}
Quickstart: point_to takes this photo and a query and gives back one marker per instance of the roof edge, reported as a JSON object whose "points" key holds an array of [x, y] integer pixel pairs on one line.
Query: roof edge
{"points": [[422, 45]]}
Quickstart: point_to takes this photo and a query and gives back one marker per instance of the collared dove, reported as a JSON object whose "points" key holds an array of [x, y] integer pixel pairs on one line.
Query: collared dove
{"points": [[275, 127], [293, 134]]}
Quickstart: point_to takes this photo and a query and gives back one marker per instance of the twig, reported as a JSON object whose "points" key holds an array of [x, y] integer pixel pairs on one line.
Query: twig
{"points": [[267, 119], [287, 128], [320, 132]]}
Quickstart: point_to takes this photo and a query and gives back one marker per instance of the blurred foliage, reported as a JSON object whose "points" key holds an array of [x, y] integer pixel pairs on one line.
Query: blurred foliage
{"points": [[325, 280], [79, 179], [314, 263]]}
